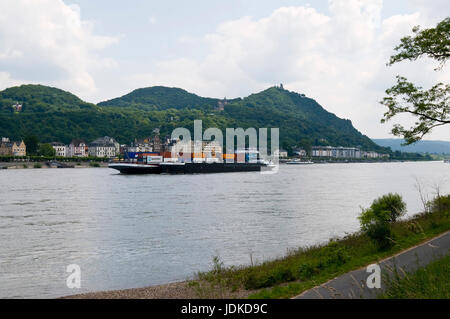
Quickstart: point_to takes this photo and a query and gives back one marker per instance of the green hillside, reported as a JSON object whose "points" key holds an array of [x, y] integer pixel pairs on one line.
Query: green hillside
{"points": [[40, 98], [56, 115], [162, 98]]}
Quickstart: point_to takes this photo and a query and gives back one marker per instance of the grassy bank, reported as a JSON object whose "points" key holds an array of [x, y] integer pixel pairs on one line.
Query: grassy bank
{"points": [[430, 282], [305, 268]]}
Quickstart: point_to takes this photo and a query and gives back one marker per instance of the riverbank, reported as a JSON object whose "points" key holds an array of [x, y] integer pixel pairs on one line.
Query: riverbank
{"points": [[301, 269], [46, 165]]}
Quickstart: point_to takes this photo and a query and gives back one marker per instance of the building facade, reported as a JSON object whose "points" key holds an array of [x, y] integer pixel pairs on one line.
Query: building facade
{"points": [[12, 148], [61, 149], [104, 147], [336, 152], [77, 148], [344, 152]]}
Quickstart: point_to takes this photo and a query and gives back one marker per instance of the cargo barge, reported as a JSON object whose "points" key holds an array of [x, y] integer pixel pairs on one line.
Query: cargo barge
{"points": [[157, 164]]}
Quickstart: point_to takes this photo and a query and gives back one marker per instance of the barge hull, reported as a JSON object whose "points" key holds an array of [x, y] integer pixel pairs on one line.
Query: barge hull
{"points": [[187, 168], [136, 169], [206, 168]]}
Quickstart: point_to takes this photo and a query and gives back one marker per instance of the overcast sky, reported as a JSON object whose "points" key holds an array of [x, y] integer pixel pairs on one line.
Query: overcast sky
{"points": [[333, 51]]}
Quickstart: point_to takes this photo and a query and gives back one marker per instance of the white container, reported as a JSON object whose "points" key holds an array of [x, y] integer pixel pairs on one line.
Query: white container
{"points": [[154, 159]]}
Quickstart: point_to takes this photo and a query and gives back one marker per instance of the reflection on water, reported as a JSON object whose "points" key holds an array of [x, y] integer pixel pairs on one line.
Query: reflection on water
{"points": [[133, 231]]}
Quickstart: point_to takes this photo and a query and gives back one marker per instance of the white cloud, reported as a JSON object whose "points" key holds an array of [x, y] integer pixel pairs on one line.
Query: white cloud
{"points": [[338, 59], [152, 20], [46, 41]]}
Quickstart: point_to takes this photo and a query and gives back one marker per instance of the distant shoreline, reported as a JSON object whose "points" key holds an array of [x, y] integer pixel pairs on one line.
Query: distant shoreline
{"points": [[43, 165]]}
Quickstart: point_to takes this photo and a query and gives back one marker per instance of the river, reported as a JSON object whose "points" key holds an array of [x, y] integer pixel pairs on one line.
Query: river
{"points": [[134, 231]]}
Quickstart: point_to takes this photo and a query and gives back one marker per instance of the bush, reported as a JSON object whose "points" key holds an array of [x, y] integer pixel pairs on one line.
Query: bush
{"points": [[376, 220], [37, 165], [440, 204], [335, 255], [257, 280], [381, 234], [306, 271]]}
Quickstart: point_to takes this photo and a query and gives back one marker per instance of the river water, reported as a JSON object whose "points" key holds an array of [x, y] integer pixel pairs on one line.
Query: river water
{"points": [[134, 231]]}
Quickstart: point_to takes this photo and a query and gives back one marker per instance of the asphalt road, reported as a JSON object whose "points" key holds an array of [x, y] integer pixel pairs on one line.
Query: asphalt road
{"points": [[353, 284]]}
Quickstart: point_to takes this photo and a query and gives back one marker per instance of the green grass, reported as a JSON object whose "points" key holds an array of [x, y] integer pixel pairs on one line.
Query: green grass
{"points": [[430, 282], [305, 268]]}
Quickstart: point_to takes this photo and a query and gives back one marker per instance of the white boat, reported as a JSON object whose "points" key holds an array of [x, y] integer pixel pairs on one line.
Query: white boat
{"points": [[300, 162]]}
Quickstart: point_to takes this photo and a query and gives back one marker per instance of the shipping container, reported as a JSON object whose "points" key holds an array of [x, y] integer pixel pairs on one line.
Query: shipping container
{"points": [[154, 159]]}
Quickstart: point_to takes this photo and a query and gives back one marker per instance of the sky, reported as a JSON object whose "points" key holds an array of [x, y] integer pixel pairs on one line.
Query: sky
{"points": [[333, 51]]}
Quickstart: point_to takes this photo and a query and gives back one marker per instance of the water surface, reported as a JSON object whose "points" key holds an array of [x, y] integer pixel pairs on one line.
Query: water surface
{"points": [[133, 231]]}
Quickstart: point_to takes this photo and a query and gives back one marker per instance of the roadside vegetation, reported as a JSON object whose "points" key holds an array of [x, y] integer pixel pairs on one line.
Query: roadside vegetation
{"points": [[430, 282], [382, 234]]}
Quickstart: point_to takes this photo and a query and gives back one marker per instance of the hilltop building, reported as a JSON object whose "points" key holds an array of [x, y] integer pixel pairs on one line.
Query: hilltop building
{"points": [[221, 104], [17, 107]]}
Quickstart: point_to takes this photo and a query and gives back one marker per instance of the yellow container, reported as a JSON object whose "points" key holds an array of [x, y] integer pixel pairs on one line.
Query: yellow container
{"points": [[198, 155]]}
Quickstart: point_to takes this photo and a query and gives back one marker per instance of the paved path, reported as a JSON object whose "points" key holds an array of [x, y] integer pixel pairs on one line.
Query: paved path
{"points": [[353, 284]]}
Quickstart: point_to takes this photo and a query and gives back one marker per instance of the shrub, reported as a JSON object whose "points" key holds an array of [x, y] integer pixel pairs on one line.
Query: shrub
{"points": [[37, 165], [335, 255], [440, 204], [376, 220], [257, 280], [381, 233], [306, 271]]}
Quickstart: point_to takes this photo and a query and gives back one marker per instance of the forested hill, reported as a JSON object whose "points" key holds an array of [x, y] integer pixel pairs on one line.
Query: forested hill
{"points": [[40, 98], [55, 115], [162, 98]]}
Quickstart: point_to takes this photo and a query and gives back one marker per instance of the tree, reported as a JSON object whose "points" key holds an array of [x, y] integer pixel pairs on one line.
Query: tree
{"points": [[32, 144], [430, 107], [46, 150], [307, 146], [376, 220]]}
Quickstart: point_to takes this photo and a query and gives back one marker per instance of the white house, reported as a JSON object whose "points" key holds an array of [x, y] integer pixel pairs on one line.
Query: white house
{"points": [[104, 147], [61, 149]]}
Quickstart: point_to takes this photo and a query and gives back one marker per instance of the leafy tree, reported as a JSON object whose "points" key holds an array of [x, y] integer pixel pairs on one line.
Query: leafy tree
{"points": [[32, 144], [306, 145], [375, 221], [430, 107], [46, 150]]}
